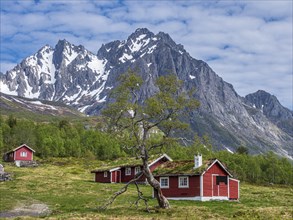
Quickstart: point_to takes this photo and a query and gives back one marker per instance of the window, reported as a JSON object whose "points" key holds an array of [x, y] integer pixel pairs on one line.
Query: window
{"points": [[164, 182], [137, 170], [105, 174], [23, 154], [127, 171], [183, 182], [221, 179]]}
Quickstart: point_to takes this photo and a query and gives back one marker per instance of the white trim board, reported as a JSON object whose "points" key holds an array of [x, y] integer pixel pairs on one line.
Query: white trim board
{"points": [[199, 198], [23, 145], [114, 169], [234, 179], [217, 161], [161, 157], [201, 185]]}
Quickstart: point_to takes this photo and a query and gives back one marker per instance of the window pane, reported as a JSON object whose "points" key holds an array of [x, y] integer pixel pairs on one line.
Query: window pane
{"points": [[23, 154], [128, 171], [183, 181], [164, 182]]}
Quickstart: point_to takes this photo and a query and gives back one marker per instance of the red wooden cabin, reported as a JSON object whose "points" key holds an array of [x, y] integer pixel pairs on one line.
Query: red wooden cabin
{"points": [[126, 172], [194, 180], [21, 153]]}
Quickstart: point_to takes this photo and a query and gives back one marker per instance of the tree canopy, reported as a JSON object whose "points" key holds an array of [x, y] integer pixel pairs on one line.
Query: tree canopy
{"points": [[133, 118]]}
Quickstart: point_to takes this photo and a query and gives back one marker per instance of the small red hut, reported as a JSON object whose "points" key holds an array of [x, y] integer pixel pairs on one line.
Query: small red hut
{"points": [[194, 180], [21, 153]]}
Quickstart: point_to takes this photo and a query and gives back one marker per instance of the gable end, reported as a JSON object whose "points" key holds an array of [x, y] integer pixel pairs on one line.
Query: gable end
{"points": [[221, 165]]}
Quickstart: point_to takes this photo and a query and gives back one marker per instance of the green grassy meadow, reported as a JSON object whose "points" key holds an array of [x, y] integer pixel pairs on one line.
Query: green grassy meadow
{"points": [[67, 187]]}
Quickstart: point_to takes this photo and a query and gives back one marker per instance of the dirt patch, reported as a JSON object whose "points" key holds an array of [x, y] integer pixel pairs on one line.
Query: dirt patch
{"points": [[34, 210]]}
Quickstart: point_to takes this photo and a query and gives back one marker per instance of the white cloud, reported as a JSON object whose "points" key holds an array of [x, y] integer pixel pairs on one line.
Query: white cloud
{"points": [[248, 43]]}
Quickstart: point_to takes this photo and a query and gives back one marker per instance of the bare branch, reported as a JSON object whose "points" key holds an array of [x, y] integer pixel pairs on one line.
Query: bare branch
{"points": [[139, 120], [128, 147], [136, 134], [160, 121], [140, 197], [156, 146], [118, 193]]}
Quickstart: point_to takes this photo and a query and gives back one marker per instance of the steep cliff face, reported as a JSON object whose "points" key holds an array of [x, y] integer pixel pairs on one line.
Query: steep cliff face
{"points": [[270, 107], [77, 77]]}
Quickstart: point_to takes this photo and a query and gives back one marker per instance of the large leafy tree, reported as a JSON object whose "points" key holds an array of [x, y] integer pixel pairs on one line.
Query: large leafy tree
{"points": [[134, 119]]}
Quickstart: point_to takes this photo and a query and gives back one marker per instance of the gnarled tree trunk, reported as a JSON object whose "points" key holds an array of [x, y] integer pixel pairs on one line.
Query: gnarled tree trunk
{"points": [[162, 201]]}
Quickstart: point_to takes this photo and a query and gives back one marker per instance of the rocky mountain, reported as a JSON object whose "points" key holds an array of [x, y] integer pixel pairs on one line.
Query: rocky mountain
{"points": [[67, 73], [269, 105], [73, 75]]}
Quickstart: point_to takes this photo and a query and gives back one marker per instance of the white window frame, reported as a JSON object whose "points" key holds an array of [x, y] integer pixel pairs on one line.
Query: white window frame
{"points": [[127, 171], [23, 154], [165, 186], [105, 174], [137, 170], [180, 182]]}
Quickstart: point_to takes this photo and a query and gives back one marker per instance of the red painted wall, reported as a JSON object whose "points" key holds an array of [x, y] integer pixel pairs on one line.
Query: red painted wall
{"points": [[155, 165], [209, 184], [125, 178], [174, 191], [99, 177], [233, 185], [223, 189], [29, 155]]}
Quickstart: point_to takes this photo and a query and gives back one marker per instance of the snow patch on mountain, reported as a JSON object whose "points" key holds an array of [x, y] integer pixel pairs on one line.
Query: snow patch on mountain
{"points": [[125, 57], [44, 105], [97, 65], [5, 89], [230, 151], [102, 99], [96, 92], [30, 94], [18, 101], [73, 97], [121, 44], [151, 49], [138, 43], [70, 54]]}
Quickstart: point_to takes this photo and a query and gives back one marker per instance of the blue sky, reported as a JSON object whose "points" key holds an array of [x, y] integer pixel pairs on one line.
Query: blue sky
{"points": [[247, 43]]}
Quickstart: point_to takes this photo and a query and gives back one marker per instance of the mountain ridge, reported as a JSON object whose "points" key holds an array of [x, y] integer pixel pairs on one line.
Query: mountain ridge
{"points": [[83, 80]]}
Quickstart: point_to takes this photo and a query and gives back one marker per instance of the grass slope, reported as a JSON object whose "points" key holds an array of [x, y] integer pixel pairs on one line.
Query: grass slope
{"points": [[67, 187]]}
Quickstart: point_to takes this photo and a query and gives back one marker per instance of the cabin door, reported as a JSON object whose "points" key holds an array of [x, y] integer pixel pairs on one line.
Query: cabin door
{"points": [[215, 186], [220, 185], [118, 176]]}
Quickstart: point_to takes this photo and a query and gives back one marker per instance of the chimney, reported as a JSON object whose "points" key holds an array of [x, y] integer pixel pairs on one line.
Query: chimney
{"points": [[197, 160]]}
